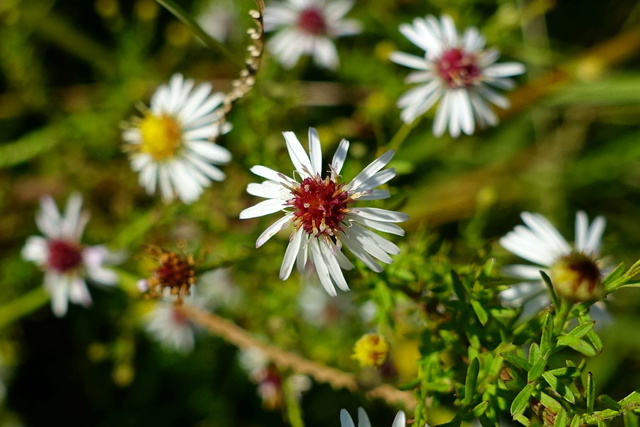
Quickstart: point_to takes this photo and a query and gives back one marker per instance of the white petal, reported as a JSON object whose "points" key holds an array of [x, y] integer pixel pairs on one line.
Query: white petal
{"points": [[363, 419], [270, 174], [522, 271], [359, 252], [411, 61], [370, 170], [345, 419], [298, 156], [582, 228], [273, 229], [321, 268], [268, 190], [333, 266], [292, 252], [265, 207], [377, 225], [543, 228], [78, 292], [378, 214], [504, 69], [339, 157], [595, 235], [315, 151], [399, 420]]}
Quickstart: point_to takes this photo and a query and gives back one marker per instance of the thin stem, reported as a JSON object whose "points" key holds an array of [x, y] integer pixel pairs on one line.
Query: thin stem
{"points": [[23, 305], [212, 43], [294, 411], [561, 316], [402, 134]]}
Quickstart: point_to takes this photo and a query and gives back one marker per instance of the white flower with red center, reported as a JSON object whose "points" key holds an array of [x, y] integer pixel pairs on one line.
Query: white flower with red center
{"points": [[455, 70], [321, 211], [64, 259], [575, 270], [363, 419], [167, 324], [171, 146], [308, 27]]}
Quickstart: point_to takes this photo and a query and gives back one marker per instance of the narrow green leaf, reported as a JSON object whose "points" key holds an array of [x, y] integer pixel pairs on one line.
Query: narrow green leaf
{"points": [[547, 281], [581, 330], [559, 387], [537, 369], [561, 419], [458, 287], [578, 345], [480, 311], [517, 361], [534, 353], [575, 421], [521, 419], [614, 275], [591, 393], [568, 372], [632, 401], [608, 402], [630, 419], [471, 381], [480, 409], [410, 385], [546, 342], [550, 402], [521, 401]]}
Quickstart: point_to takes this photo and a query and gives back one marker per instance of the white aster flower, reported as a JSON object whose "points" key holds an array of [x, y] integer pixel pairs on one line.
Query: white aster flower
{"points": [[167, 324], [308, 27], [455, 70], [65, 261], [171, 145], [321, 212], [363, 419], [574, 269]]}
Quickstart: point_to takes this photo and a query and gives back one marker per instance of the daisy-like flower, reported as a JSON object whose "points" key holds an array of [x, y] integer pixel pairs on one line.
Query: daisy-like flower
{"points": [[574, 269], [363, 419], [308, 27], [322, 213], [171, 145], [167, 324], [64, 259], [455, 70]]}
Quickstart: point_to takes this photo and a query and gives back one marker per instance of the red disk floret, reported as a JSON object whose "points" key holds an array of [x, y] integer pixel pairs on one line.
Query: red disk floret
{"points": [[311, 20], [64, 256], [320, 205], [458, 68]]}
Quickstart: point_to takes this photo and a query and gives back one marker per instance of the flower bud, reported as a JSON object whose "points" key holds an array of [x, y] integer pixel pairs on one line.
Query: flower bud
{"points": [[371, 350], [576, 277]]}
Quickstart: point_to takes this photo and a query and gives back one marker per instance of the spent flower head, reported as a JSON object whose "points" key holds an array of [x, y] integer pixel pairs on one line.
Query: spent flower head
{"points": [[65, 260], [575, 270], [455, 70], [322, 212], [173, 274], [171, 146], [308, 27]]}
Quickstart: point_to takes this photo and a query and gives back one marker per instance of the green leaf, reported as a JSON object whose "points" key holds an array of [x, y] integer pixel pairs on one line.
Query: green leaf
{"points": [[471, 381], [552, 292], [568, 372], [561, 419], [590, 393], [550, 402], [581, 330], [575, 421], [630, 419], [632, 401], [521, 401], [458, 287], [546, 342], [409, 385], [480, 409], [537, 369], [534, 353], [608, 402], [578, 345], [482, 314], [559, 387], [517, 361]]}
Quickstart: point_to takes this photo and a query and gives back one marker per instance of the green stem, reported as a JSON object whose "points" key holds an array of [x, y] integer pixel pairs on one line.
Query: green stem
{"points": [[180, 13], [294, 412], [23, 305], [561, 316], [402, 134]]}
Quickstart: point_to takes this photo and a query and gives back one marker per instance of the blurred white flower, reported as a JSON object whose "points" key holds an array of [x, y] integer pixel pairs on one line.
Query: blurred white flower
{"points": [[169, 326], [363, 419], [320, 211], [171, 146], [308, 27], [540, 243], [218, 19], [65, 260], [455, 70]]}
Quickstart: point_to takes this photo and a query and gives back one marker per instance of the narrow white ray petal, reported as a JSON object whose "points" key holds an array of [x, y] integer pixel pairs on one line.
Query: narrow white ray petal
{"points": [[411, 61], [325, 53], [280, 224], [370, 170], [291, 253], [376, 195], [493, 96], [504, 69], [377, 225], [363, 419], [332, 265], [58, 286], [270, 174], [359, 252], [315, 151], [297, 154], [199, 165], [343, 261], [268, 190], [527, 248], [187, 183], [466, 113], [442, 115], [321, 268], [36, 250], [539, 224], [196, 99], [378, 214], [454, 114], [582, 227], [375, 180], [149, 177], [594, 239], [301, 261], [399, 420], [210, 151], [523, 271], [374, 246], [449, 30], [345, 419], [263, 208], [165, 184], [336, 10], [78, 292], [340, 155], [410, 33]]}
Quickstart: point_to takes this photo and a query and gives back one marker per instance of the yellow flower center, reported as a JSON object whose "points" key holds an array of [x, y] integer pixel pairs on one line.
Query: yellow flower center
{"points": [[161, 136], [371, 350]]}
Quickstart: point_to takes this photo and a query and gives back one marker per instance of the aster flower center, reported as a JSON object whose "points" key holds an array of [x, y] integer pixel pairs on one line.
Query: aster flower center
{"points": [[577, 277], [458, 68], [64, 256], [175, 272], [320, 205], [311, 20], [161, 136]]}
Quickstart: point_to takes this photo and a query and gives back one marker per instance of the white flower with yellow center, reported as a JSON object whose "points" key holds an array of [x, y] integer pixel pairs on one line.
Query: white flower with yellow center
{"points": [[64, 259], [171, 146], [321, 211], [575, 270], [308, 27], [455, 70]]}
